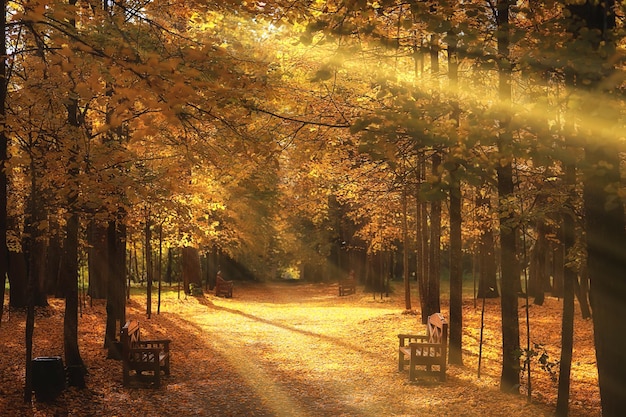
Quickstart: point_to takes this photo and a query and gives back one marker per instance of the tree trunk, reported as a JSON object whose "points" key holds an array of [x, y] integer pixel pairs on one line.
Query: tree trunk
{"points": [[168, 269], [4, 253], [97, 260], [116, 294], [456, 240], [191, 269], [54, 255], [558, 265], [434, 274], [421, 233], [604, 212], [568, 230], [606, 263], [582, 294], [18, 280], [456, 273], [28, 339], [509, 379], [73, 360], [32, 269], [149, 271], [538, 265], [405, 253], [488, 282], [160, 268]]}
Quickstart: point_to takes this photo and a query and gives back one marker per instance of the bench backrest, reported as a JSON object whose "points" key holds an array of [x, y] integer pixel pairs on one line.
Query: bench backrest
{"points": [[129, 335], [437, 329]]}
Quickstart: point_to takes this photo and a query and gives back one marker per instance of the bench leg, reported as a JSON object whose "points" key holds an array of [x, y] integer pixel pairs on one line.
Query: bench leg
{"points": [[166, 365], [412, 369], [157, 374], [125, 376], [412, 372]]}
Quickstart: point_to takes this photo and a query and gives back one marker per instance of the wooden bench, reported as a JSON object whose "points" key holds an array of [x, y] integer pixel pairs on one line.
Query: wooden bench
{"points": [[223, 288], [425, 350], [143, 359], [347, 286]]}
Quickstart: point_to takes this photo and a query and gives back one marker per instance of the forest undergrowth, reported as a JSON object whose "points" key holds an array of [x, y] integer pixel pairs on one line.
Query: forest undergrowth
{"points": [[285, 349]]}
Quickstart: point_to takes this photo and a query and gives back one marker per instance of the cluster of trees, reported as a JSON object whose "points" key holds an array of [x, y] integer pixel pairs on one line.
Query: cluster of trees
{"points": [[294, 133]]}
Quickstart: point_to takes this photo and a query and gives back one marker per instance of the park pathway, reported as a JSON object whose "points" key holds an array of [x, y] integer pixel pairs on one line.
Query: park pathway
{"points": [[287, 351]]}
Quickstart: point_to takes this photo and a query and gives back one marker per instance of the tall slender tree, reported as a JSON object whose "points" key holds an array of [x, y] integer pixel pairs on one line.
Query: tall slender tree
{"points": [[4, 265], [456, 242], [73, 359]]}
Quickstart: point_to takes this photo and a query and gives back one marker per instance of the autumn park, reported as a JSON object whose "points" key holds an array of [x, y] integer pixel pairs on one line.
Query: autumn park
{"points": [[312, 208]]}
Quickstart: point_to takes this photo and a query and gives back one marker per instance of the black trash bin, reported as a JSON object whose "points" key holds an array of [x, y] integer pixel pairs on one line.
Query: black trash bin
{"points": [[48, 377]]}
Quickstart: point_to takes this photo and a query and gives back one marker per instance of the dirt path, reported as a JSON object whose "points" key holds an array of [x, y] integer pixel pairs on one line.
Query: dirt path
{"points": [[282, 350]]}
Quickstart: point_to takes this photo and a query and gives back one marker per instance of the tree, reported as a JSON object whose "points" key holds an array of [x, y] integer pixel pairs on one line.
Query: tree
{"points": [[488, 283], [592, 26], [569, 277], [4, 253], [97, 259], [509, 379]]}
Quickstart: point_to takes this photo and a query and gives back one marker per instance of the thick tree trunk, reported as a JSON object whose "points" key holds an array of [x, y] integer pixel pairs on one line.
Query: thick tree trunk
{"points": [[18, 280], [97, 260], [509, 379], [606, 263], [116, 294], [73, 360], [603, 209], [54, 255]]}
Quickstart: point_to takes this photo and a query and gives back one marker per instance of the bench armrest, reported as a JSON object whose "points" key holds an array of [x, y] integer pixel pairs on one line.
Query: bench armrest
{"points": [[404, 338]]}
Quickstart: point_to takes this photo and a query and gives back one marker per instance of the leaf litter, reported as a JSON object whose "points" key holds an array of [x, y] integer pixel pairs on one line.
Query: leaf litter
{"points": [[279, 349]]}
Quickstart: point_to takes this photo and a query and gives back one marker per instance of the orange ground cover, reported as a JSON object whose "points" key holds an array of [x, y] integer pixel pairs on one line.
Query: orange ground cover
{"points": [[284, 349]]}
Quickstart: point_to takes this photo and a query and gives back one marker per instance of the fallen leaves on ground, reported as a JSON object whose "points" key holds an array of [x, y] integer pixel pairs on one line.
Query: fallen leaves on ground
{"points": [[283, 349]]}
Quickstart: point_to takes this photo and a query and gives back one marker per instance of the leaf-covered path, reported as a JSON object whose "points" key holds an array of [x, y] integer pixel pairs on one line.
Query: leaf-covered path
{"points": [[284, 349]]}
